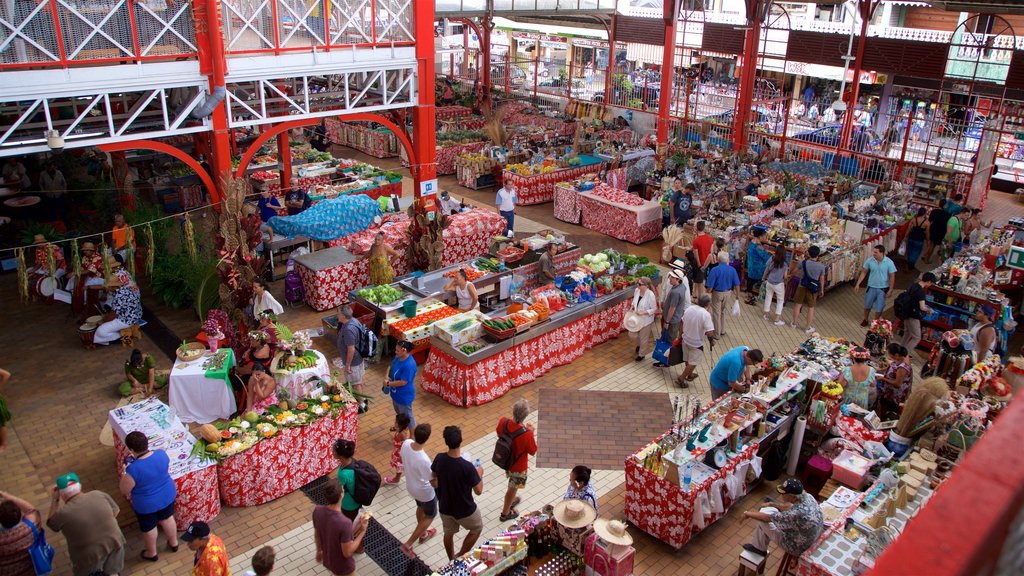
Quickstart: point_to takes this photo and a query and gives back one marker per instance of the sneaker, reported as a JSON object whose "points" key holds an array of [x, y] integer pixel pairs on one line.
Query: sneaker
{"points": [[792, 324], [810, 330], [779, 323], [390, 481]]}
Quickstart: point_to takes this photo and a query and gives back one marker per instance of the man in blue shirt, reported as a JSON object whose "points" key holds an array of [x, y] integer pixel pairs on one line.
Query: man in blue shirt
{"points": [[680, 202], [881, 273], [731, 370], [400, 382], [724, 284]]}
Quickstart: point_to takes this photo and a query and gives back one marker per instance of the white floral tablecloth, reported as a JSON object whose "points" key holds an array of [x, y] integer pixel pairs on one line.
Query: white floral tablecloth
{"points": [[297, 382]]}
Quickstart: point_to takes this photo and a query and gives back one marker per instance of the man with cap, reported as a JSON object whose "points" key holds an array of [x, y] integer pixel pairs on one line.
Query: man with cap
{"points": [[794, 523], [125, 311], [211, 558], [400, 383], [448, 204], [88, 521], [677, 300]]}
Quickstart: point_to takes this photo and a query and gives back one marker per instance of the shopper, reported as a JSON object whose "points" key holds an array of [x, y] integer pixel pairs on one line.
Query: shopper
{"points": [[680, 202], [704, 244], [506, 199], [880, 273], [401, 432], [262, 562], [400, 382], [697, 325], [336, 536], [984, 333], [19, 521], [794, 524], [677, 300], [894, 385], [88, 521], [645, 305], [915, 310], [916, 236], [350, 331], [211, 557], [953, 236], [695, 273], [811, 287], [344, 452], [776, 274], [731, 372], [524, 445], [268, 205], [724, 284], [757, 259], [456, 480], [146, 482], [418, 484], [580, 487], [858, 379], [937, 220]]}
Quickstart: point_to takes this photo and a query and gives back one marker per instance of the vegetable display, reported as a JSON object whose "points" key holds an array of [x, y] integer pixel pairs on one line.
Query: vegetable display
{"points": [[381, 295], [487, 265], [471, 273]]}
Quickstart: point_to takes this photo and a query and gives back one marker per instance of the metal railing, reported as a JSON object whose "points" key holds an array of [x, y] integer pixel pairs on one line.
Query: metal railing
{"points": [[62, 33]]}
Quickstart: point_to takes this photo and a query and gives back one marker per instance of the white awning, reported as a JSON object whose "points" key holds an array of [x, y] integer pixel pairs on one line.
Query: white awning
{"points": [[644, 53]]}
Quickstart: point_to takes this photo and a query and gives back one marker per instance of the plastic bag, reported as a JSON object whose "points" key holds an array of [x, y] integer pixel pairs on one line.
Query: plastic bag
{"points": [[736, 308], [902, 251]]}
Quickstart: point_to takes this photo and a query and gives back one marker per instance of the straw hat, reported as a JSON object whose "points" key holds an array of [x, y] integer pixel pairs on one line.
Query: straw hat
{"points": [[88, 246], [613, 532], [574, 513], [632, 322]]}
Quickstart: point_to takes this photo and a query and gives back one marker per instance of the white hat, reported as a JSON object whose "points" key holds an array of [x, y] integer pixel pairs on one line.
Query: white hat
{"points": [[632, 322], [574, 513], [613, 532], [678, 275]]}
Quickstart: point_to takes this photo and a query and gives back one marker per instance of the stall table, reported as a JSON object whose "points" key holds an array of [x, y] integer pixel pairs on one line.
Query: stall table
{"points": [[298, 383], [377, 142], [202, 396], [284, 463], [540, 188], [446, 155], [529, 274], [452, 112], [195, 479], [328, 276], [493, 371], [636, 224]]}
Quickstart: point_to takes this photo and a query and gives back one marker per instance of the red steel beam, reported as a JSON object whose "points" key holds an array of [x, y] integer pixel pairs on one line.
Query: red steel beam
{"points": [[670, 14]]}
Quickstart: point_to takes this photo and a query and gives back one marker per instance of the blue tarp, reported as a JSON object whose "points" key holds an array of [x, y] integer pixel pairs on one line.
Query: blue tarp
{"points": [[329, 219]]}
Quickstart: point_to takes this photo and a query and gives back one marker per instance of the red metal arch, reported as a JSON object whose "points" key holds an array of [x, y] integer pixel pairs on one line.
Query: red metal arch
{"points": [[171, 150], [272, 131]]}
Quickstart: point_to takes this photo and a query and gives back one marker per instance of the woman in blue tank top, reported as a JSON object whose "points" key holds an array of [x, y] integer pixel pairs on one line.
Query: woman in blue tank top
{"points": [[147, 483]]}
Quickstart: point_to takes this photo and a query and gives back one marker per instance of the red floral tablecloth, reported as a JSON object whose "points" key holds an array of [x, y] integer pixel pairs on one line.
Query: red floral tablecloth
{"points": [[567, 208], [622, 136], [451, 112], [664, 510], [540, 188], [446, 156], [636, 224], [284, 463], [493, 377], [529, 274], [198, 498]]}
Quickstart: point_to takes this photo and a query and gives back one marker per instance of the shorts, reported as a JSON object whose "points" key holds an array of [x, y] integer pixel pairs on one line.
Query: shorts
{"points": [[149, 521], [874, 299], [358, 372], [805, 296], [516, 480], [694, 356], [473, 523], [429, 508]]}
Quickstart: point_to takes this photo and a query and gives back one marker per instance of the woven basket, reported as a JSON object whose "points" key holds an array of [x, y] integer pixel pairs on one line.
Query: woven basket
{"points": [[199, 348]]}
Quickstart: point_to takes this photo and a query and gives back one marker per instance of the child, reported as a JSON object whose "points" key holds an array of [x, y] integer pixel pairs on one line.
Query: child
{"points": [[401, 430]]}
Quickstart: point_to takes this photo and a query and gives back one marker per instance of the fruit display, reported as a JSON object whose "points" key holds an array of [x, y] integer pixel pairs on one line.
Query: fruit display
{"points": [[296, 362], [381, 295], [541, 309], [499, 324], [424, 319]]}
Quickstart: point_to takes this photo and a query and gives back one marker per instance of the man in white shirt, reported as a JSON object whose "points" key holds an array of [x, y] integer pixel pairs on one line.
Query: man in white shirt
{"points": [[697, 325], [449, 205], [417, 482], [14, 174], [506, 200]]}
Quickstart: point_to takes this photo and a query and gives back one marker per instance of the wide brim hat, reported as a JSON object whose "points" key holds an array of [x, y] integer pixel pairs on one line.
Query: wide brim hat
{"points": [[632, 322], [574, 513], [613, 532]]}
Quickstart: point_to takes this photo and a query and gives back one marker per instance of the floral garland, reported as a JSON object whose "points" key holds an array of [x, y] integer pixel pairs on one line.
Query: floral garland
{"points": [[881, 327], [832, 388]]}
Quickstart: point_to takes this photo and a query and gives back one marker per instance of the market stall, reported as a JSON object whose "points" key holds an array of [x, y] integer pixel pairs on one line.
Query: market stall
{"points": [[536, 184], [300, 373], [476, 171], [452, 145], [194, 477], [608, 210], [199, 389], [367, 137]]}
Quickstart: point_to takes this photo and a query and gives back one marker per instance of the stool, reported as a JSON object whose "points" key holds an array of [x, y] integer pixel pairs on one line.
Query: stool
{"points": [[788, 565], [130, 335], [751, 563]]}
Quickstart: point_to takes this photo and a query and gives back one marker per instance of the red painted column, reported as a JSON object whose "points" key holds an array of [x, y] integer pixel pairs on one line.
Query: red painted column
{"points": [[284, 157], [609, 77], [423, 163], [748, 75], [866, 8], [485, 56], [669, 15], [210, 44]]}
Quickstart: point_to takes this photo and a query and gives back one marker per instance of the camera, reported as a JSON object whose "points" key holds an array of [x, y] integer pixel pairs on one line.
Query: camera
{"points": [[54, 140]]}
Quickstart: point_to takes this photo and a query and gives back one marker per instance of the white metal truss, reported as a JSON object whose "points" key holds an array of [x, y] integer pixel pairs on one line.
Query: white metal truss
{"points": [[101, 117], [312, 95]]}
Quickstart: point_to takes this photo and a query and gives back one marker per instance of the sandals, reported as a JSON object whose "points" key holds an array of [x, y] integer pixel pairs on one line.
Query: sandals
{"points": [[512, 515], [516, 502], [173, 548], [391, 480], [427, 535]]}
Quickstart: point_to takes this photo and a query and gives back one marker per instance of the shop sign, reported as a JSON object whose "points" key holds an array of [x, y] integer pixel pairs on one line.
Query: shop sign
{"points": [[796, 68], [1016, 259], [588, 43], [428, 187]]}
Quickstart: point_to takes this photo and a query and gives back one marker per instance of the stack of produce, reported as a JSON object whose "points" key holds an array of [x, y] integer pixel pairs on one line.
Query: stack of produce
{"points": [[381, 295]]}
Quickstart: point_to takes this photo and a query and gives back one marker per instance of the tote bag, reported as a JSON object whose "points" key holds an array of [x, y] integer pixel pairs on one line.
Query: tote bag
{"points": [[41, 552]]}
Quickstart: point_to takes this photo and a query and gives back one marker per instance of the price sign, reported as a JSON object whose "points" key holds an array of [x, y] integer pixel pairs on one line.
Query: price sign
{"points": [[1016, 259]]}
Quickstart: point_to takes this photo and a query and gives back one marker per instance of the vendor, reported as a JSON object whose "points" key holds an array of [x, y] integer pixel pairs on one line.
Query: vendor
{"points": [[140, 371], [858, 380], [297, 199], [259, 352], [731, 372], [125, 312], [263, 300], [894, 386], [538, 157], [465, 292], [381, 271], [260, 390], [547, 263], [794, 524], [448, 204], [580, 487], [984, 332]]}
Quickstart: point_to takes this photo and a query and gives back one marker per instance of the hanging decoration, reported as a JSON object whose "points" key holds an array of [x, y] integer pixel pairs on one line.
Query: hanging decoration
{"points": [[190, 239], [237, 236], [150, 251], [51, 261], [76, 261], [105, 253], [129, 260], [19, 253]]}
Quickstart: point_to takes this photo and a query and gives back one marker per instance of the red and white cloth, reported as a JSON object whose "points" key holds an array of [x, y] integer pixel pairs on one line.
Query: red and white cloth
{"points": [[529, 274], [452, 112], [446, 155], [567, 206], [379, 143], [540, 188], [281, 465], [636, 224], [494, 377], [666, 511]]}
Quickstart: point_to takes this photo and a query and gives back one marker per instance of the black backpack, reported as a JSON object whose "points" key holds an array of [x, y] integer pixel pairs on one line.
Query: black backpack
{"points": [[367, 482], [368, 343], [901, 306], [504, 455]]}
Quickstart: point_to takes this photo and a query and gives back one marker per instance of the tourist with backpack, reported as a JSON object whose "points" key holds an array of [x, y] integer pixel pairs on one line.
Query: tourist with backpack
{"points": [[359, 480], [400, 383], [811, 286], [456, 480], [516, 443], [911, 308], [350, 334]]}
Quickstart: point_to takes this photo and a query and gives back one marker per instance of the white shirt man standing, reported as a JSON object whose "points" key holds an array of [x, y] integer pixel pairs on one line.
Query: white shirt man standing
{"points": [[506, 200], [697, 325], [417, 483]]}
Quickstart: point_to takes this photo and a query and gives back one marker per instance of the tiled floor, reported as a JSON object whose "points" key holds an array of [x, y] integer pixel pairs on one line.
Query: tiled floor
{"points": [[60, 395]]}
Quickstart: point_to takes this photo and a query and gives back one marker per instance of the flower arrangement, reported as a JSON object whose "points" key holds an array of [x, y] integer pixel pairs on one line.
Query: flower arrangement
{"points": [[301, 342], [832, 388], [881, 327], [212, 329], [974, 410]]}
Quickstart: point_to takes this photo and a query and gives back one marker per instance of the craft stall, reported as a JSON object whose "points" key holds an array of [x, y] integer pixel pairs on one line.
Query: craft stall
{"points": [[367, 137], [535, 184], [608, 210], [450, 146], [194, 477]]}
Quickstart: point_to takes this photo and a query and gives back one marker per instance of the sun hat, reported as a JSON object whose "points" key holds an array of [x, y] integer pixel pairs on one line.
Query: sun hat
{"points": [[791, 486], [632, 322], [613, 532], [678, 275], [66, 480], [574, 513], [195, 531]]}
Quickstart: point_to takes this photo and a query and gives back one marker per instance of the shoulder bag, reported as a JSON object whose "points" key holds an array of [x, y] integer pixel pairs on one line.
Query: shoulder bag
{"points": [[41, 552]]}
